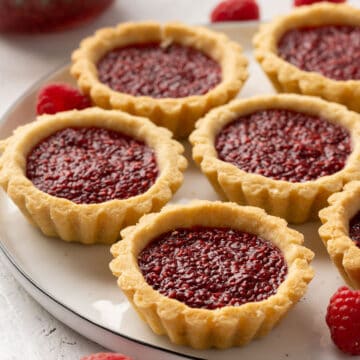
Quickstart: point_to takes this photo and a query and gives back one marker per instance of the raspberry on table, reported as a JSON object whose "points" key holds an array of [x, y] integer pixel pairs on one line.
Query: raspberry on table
{"points": [[343, 320], [106, 356], [235, 10], [309, 2], [54, 98]]}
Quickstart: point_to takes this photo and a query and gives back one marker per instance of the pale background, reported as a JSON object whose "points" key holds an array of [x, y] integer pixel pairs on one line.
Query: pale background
{"points": [[28, 332]]}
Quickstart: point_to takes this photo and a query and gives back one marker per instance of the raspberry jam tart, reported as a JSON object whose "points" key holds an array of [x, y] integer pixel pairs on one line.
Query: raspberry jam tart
{"points": [[217, 274], [84, 175], [172, 73], [284, 153], [340, 232], [314, 51]]}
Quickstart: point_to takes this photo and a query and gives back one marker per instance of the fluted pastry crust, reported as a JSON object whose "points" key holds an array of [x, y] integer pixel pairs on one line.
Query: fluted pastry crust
{"points": [[178, 115], [289, 78], [88, 223], [335, 232], [223, 327], [295, 202]]}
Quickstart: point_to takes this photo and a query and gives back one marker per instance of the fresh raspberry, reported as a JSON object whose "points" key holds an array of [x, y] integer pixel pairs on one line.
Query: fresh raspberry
{"points": [[233, 10], [309, 2], [60, 97], [106, 356], [343, 319]]}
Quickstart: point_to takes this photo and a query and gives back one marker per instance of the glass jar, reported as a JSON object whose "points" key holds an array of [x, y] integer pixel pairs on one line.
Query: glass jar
{"points": [[47, 15]]}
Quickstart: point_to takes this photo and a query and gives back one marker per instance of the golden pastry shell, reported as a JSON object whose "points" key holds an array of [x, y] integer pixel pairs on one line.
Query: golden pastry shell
{"points": [[295, 202], [335, 232], [178, 115], [203, 328], [289, 78], [88, 223]]}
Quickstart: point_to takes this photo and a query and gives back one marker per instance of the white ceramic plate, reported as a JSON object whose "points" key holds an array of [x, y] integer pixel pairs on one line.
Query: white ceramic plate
{"points": [[74, 284]]}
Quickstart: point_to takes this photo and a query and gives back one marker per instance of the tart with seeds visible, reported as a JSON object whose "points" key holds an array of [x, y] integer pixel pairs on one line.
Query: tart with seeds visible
{"points": [[211, 274], [314, 51], [283, 153], [340, 232], [171, 73], [84, 175]]}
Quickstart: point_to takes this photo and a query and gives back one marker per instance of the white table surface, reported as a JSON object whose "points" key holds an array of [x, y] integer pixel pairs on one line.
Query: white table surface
{"points": [[27, 331]]}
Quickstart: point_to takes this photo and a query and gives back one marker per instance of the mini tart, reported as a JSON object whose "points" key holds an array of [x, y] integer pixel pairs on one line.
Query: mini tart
{"points": [[177, 114], [336, 229], [289, 78], [90, 222], [296, 202], [225, 326]]}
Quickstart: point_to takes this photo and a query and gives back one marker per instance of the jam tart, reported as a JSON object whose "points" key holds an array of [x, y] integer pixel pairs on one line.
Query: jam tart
{"points": [[211, 274], [283, 153], [84, 175], [171, 73], [314, 51], [340, 232]]}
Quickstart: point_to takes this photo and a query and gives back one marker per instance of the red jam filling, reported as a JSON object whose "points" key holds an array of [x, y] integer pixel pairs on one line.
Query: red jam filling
{"points": [[333, 51], [173, 71], [284, 145], [354, 229], [206, 267], [91, 165]]}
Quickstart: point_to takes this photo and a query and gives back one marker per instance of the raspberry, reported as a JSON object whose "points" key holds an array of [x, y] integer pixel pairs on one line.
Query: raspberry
{"points": [[343, 319], [106, 356], [232, 10], [309, 2], [60, 97]]}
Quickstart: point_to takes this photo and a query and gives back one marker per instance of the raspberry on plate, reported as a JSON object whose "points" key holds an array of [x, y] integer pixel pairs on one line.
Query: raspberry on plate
{"points": [[309, 2], [106, 356], [343, 319], [54, 98], [234, 10]]}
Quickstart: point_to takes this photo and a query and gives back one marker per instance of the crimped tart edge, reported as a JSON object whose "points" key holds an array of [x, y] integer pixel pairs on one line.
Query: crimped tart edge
{"points": [[202, 328], [335, 232], [295, 202], [88, 223], [289, 78], [178, 115]]}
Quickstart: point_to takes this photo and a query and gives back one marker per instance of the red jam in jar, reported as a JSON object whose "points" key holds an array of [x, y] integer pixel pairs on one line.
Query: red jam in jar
{"points": [[47, 15]]}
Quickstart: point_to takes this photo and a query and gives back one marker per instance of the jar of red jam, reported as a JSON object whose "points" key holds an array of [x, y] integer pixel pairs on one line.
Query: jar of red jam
{"points": [[47, 15]]}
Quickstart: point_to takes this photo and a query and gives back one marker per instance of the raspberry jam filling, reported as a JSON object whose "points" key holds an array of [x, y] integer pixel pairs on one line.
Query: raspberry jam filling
{"points": [[210, 267], [284, 145], [173, 71], [354, 229], [91, 165], [333, 51]]}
